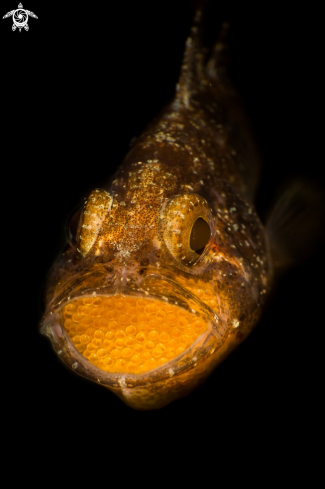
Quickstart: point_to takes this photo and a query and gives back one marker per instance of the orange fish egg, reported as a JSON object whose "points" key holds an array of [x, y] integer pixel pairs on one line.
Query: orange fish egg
{"points": [[123, 340]]}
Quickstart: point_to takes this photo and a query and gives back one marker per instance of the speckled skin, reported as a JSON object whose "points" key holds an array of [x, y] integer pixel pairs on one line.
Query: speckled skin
{"points": [[198, 158]]}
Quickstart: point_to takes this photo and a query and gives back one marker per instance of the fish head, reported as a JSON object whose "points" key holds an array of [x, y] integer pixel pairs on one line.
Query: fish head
{"points": [[158, 282]]}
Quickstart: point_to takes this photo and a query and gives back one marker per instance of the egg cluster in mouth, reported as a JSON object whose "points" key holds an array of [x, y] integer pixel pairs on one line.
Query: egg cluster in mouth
{"points": [[129, 334]]}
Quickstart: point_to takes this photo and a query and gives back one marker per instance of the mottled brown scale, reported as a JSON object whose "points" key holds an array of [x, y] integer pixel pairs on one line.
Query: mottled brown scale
{"points": [[198, 160]]}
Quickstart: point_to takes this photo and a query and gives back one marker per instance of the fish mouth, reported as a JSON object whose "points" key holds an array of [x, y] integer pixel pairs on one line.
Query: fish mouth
{"points": [[123, 336]]}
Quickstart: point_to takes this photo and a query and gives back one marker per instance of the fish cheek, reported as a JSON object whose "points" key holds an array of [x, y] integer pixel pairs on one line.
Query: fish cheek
{"points": [[72, 226]]}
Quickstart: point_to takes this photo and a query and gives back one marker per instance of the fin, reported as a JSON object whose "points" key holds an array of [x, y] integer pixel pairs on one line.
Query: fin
{"points": [[8, 14], [195, 69], [192, 69], [219, 60], [32, 14], [295, 227]]}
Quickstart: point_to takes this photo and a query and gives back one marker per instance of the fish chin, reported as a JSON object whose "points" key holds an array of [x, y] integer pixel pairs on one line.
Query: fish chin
{"points": [[135, 338]]}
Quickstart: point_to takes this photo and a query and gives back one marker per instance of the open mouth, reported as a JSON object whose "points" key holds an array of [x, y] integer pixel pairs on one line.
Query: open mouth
{"points": [[122, 333]]}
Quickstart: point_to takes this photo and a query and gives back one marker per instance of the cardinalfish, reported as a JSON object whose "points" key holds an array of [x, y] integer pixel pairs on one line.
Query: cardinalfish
{"points": [[168, 267]]}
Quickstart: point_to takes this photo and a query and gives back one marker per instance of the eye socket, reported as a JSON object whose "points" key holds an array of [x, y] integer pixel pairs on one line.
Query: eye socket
{"points": [[186, 225], [200, 235]]}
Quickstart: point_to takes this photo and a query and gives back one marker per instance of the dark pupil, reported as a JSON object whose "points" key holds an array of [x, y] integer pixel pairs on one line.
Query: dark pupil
{"points": [[200, 235], [73, 226]]}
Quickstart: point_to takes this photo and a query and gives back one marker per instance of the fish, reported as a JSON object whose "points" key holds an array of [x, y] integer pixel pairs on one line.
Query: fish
{"points": [[168, 267]]}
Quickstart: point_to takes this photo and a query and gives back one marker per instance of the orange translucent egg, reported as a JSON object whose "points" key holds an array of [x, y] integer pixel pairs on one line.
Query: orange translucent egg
{"points": [[129, 334]]}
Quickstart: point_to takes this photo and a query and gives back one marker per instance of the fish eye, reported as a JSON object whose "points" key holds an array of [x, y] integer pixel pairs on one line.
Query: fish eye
{"points": [[72, 226], [92, 217], [186, 224], [200, 235], [86, 221]]}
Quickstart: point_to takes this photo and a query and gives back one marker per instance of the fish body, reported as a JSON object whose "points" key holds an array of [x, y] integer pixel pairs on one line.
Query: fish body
{"points": [[168, 266]]}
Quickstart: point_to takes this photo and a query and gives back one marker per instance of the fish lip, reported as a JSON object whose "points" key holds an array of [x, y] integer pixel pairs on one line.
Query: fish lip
{"points": [[213, 317], [113, 287]]}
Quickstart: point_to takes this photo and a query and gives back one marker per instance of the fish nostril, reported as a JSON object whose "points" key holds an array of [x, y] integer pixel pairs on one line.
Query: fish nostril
{"points": [[144, 262], [200, 235]]}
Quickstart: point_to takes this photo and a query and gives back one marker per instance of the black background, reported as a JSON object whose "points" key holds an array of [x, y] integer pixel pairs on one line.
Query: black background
{"points": [[76, 88]]}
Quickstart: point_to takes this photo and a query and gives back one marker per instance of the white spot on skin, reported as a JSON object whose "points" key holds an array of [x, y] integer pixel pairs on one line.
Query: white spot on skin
{"points": [[235, 323], [122, 382]]}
